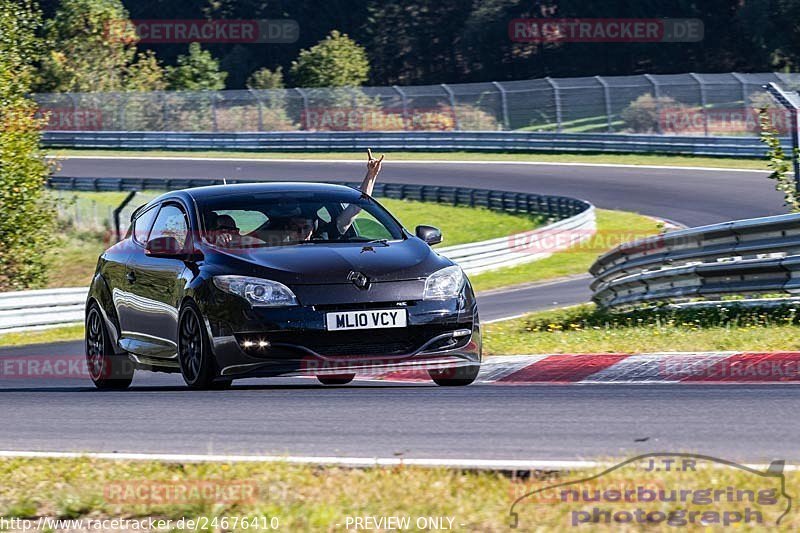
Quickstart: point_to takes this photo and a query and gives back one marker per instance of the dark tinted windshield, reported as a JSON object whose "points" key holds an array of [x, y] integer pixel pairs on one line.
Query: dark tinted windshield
{"points": [[281, 219]]}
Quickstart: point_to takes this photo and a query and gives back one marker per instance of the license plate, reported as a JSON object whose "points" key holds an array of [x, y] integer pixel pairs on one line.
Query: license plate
{"points": [[372, 319]]}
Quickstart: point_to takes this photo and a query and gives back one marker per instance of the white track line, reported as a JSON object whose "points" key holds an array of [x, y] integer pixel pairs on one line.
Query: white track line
{"points": [[348, 462], [407, 161]]}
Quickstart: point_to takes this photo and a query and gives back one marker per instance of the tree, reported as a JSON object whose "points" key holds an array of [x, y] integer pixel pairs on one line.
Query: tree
{"points": [[336, 61], [145, 74], [91, 44], [265, 78], [26, 217], [197, 71]]}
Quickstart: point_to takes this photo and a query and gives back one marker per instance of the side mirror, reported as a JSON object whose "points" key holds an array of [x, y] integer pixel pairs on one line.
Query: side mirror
{"points": [[168, 247], [429, 234]]}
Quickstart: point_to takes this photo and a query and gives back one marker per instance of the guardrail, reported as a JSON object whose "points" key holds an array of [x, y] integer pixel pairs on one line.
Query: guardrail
{"points": [[488, 141], [31, 309], [742, 257], [575, 222]]}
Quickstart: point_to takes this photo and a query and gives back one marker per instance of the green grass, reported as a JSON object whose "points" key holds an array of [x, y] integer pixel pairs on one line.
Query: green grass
{"points": [[625, 159], [460, 225], [587, 329], [308, 498], [613, 228], [43, 336]]}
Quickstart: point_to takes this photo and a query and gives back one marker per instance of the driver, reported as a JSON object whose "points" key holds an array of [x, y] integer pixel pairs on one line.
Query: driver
{"points": [[301, 227], [225, 231]]}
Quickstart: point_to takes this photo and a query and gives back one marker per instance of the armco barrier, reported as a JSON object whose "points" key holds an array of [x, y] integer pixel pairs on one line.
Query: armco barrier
{"points": [[742, 257], [489, 141], [575, 222]]}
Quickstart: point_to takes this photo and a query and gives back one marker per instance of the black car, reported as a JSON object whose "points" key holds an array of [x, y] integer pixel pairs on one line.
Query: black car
{"points": [[279, 279]]}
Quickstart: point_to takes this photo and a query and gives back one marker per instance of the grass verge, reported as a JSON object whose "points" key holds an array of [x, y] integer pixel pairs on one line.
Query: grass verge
{"points": [[622, 159], [587, 329], [307, 498], [42, 336], [613, 228]]}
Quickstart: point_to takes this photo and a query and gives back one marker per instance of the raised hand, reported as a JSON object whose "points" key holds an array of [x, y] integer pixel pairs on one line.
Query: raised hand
{"points": [[373, 165]]}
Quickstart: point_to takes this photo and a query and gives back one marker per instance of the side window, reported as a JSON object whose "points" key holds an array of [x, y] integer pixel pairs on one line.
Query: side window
{"points": [[143, 223], [171, 222], [368, 227]]}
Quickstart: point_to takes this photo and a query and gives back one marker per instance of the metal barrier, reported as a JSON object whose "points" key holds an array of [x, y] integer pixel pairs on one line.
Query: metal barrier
{"points": [[742, 257], [488, 141]]}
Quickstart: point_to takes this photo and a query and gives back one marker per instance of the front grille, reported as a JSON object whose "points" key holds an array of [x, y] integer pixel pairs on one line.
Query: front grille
{"points": [[367, 343]]}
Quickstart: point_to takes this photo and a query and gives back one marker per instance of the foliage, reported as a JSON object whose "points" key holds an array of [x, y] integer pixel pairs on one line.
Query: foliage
{"points": [[336, 61], [643, 115], [781, 166], [26, 218], [265, 78], [90, 47], [197, 71], [145, 74]]}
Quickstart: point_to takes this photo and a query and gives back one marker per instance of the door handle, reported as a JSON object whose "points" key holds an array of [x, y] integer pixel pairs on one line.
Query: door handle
{"points": [[131, 277]]}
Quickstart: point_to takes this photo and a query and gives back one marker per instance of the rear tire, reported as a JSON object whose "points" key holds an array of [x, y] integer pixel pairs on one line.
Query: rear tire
{"points": [[336, 379], [107, 369], [198, 367], [459, 376]]}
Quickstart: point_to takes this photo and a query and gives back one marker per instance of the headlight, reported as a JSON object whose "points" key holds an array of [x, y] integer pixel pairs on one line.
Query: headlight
{"points": [[259, 292], [443, 284]]}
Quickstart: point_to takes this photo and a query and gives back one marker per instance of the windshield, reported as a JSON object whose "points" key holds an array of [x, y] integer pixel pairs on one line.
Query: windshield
{"points": [[281, 219]]}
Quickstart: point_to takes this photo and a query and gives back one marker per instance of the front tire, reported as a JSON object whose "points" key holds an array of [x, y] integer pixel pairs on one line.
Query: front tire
{"points": [[198, 367], [459, 376], [336, 379], [107, 370]]}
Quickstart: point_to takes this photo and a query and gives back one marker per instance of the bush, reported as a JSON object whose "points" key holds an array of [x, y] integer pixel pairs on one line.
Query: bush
{"points": [[336, 61], [643, 115], [27, 219]]}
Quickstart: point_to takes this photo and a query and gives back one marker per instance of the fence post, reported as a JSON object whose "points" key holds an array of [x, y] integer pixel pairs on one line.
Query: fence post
{"points": [[164, 113], [743, 84], [260, 109], [503, 104], [405, 104], [123, 105], [792, 105], [557, 100], [214, 111], [607, 100], [452, 96], [657, 96], [703, 104], [305, 105]]}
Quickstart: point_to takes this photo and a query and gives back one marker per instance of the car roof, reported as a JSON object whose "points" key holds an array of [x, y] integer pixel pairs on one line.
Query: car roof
{"points": [[215, 191]]}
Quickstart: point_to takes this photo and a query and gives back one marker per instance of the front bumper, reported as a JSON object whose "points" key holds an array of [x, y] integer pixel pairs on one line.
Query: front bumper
{"points": [[260, 342]]}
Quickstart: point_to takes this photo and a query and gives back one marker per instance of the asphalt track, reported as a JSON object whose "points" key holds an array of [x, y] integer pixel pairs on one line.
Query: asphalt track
{"points": [[297, 417]]}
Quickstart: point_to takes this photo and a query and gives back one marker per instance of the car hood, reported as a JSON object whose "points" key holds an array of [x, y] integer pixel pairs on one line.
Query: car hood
{"points": [[331, 263]]}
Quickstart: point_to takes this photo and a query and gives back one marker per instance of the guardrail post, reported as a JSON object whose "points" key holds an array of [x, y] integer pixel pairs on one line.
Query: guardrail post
{"points": [[702, 87], [503, 104], [557, 100], [452, 97], [657, 96], [607, 100]]}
